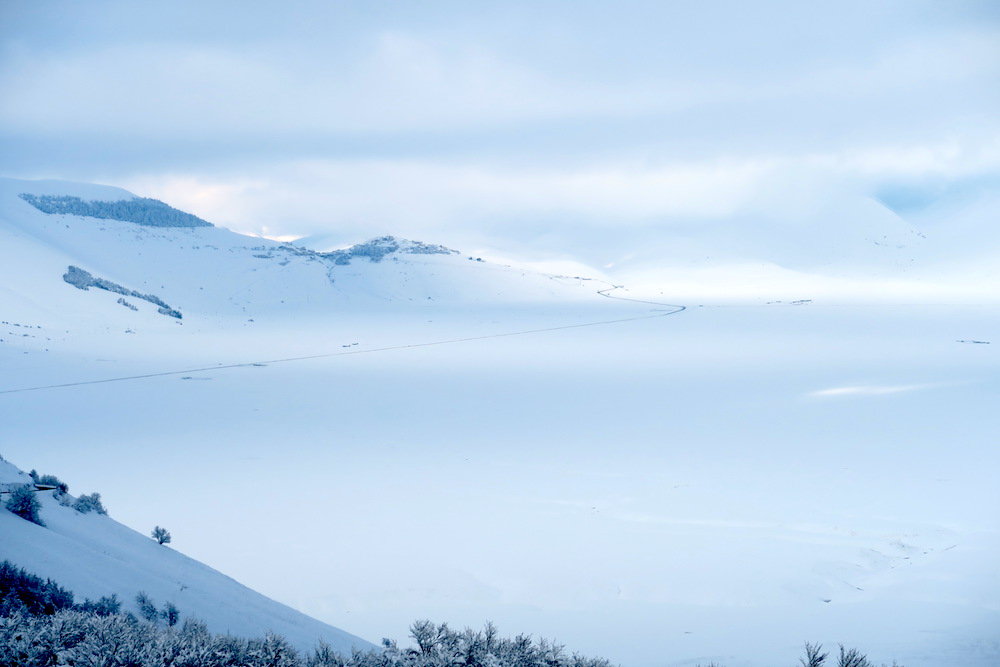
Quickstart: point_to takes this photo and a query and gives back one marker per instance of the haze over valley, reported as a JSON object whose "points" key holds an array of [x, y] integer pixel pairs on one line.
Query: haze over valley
{"points": [[666, 332]]}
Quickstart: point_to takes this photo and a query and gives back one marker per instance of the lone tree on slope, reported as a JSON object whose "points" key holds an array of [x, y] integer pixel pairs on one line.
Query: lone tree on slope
{"points": [[23, 503], [161, 535]]}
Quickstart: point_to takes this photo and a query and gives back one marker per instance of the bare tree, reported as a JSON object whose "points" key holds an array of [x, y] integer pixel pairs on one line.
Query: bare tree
{"points": [[161, 535]]}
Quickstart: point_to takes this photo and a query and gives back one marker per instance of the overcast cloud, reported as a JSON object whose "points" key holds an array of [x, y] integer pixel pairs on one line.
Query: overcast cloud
{"points": [[562, 129]]}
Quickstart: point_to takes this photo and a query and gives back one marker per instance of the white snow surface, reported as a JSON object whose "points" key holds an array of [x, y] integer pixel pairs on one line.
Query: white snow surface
{"points": [[435, 437]]}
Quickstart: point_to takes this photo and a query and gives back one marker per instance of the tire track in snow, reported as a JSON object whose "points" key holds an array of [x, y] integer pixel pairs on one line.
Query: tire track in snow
{"points": [[451, 341]]}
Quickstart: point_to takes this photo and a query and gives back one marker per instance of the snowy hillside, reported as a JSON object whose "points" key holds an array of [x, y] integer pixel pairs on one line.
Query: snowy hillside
{"points": [[100, 289], [210, 274], [94, 556]]}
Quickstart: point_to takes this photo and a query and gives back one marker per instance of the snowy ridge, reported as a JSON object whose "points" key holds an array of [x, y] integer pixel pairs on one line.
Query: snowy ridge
{"points": [[377, 248], [93, 556], [213, 275], [56, 188], [140, 210]]}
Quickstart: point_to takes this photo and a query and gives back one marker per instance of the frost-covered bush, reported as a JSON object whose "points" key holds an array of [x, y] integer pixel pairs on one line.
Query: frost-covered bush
{"points": [[171, 614], [814, 656], [147, 610], [377, 248], [22, 502], [852, 657], [90, 503], [117, 639], [439, 645], [161, 535], [79, 278], [140, 210], [324, 656], [24, 593], [105, 606], [76, 638], [374, 250], [84, 280], [170, 312], [62, 488], [52, 480], [273, 650]]}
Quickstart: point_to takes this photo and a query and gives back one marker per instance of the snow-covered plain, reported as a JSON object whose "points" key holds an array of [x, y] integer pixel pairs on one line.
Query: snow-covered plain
{"points": [[657, 487]]}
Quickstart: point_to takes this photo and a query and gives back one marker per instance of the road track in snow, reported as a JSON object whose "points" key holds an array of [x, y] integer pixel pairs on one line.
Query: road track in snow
{"points": [[674, 309]]}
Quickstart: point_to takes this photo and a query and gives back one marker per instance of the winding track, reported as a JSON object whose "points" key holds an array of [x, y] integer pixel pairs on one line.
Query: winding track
{"points": [[604, 292]]}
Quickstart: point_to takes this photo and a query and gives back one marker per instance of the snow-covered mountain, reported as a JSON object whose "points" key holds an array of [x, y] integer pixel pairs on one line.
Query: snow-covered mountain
{"points": [[206, 273], [94, 556]]}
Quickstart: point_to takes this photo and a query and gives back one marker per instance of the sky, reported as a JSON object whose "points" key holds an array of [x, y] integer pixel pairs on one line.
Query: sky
{"points": [[605, 133]]}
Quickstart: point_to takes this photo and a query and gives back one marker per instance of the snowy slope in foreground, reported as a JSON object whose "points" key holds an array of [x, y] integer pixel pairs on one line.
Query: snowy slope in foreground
{"points": [[93, 556]]}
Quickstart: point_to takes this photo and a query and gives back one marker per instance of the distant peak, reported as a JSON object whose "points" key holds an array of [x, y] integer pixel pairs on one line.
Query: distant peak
{"points": [[377, 248]]}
